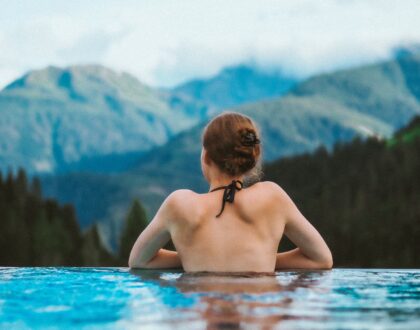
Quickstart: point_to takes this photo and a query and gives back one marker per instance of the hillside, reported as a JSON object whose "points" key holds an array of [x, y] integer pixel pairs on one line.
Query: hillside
{"points": [[373, 100], [362, 197], [389, 92], [35, 231], [58, 119]]}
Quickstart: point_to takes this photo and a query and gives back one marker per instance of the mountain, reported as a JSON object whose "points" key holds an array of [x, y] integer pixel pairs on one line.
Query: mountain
{"points": [[389, 92], [62, 119], [236, 85], [372, 100], [406, 50], [90, 118]]}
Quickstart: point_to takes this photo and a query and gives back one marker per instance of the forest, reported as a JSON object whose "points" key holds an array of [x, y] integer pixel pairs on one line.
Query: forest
{"points": [[362, 196], [35, 231]]}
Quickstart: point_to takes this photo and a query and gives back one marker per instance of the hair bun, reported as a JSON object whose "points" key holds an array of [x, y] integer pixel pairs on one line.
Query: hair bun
{"points": [[248, 137], [232, 143]]}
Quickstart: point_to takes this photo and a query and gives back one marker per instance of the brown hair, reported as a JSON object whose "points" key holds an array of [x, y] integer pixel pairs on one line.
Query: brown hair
{"points": [[232, 142]]}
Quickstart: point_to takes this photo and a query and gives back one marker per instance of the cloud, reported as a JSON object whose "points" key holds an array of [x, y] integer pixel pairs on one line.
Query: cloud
{"points": [[165, 42]]}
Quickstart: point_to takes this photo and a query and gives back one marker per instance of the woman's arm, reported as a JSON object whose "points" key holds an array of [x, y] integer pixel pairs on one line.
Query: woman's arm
{"points": [[312, 252], [147, 251]]}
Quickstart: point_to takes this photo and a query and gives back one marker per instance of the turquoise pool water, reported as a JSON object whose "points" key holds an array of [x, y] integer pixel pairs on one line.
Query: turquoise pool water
{"points": [[115, 298]]}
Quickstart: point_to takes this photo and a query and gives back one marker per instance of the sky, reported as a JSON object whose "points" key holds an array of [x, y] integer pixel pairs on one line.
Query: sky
{"points": [[167, 42]]}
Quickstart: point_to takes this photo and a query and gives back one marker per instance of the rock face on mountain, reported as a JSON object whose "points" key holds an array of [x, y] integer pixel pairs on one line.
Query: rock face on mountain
{"points": [[54, 119], [370, 100]]}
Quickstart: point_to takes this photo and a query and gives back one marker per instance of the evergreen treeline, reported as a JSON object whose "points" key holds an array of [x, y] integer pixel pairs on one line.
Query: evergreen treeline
{"points": [[363, 197], [39, 232]]}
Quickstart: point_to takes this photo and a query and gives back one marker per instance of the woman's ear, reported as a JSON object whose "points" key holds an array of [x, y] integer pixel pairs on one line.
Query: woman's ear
{"points": [[206, 158]]}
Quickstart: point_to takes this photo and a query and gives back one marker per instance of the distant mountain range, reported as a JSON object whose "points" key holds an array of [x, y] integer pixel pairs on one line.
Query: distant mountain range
{"points": [[236, 85], [370, 100], [90, 118], [53, 119]]}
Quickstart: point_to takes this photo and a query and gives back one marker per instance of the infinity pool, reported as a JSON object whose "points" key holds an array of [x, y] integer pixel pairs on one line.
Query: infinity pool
{"points": [[115, 298]]}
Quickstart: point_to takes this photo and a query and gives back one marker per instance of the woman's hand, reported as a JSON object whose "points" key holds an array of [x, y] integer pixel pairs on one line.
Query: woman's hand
{"points": [[163, 259], [147, 251], [295, 259]]}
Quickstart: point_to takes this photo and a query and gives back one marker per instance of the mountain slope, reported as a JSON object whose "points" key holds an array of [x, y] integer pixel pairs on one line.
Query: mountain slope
{"points": [[314, 113], [389, 92], [55, 118]]}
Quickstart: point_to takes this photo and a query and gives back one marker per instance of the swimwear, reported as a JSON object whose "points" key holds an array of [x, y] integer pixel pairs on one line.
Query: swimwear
{"points": [[229, 193]]}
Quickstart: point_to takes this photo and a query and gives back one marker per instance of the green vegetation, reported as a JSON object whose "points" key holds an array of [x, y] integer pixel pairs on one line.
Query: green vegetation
{"points": [[135, 223], [406, 135], [39, 232], [362, 197]]}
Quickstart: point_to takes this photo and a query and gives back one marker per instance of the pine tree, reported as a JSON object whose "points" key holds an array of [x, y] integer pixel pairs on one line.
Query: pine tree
{"points": [[38, 232], [35, 188], [92, 251], [135, 223]]}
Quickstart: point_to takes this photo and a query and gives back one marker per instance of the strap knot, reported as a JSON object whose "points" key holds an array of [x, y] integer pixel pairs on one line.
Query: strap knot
{"points": [[229, 193]]}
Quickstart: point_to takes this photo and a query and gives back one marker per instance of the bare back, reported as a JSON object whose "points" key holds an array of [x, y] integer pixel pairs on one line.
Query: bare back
{"points": [[246, 235], [244, 238]]}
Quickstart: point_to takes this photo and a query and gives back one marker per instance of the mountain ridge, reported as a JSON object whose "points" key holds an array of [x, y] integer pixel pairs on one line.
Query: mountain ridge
{"points": [[236, 85], [72, 118], [57, 116]]}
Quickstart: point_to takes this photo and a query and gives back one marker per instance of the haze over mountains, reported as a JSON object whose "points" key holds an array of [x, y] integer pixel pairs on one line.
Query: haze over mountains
{"points": [[77, 119]]}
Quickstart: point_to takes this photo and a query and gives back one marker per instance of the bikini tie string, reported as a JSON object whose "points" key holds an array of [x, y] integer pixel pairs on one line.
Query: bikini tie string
{"points": [[229, 193]]}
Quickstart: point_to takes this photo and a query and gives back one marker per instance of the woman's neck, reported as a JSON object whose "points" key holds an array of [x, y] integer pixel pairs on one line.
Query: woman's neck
{"points": [[223, 181]]}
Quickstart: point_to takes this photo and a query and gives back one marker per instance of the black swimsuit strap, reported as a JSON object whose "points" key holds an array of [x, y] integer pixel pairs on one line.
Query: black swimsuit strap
{"points": [[229, 193]]}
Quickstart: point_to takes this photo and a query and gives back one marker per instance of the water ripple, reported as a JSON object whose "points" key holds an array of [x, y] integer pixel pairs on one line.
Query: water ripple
{"points": [[113, 298]]}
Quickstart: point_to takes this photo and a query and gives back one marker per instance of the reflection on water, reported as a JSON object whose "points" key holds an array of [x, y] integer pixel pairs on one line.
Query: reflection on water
{"points": [[116, 298], [231, 300]]}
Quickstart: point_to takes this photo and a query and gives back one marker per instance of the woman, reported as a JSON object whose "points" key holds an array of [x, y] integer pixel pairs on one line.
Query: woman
{"points": [[231, 228]]}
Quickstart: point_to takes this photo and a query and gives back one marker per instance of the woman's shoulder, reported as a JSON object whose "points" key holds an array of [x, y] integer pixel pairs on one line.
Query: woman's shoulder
{"points": [[180, 200], [271, 187], [179, 197], [272, 192]]}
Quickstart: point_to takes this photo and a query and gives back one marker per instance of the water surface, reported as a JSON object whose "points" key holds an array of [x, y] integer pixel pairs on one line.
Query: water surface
{"points": [[115, 298]]}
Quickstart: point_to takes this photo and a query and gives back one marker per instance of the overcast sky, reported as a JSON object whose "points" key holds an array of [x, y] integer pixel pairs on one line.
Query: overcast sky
{"points": [[165, 42]]}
